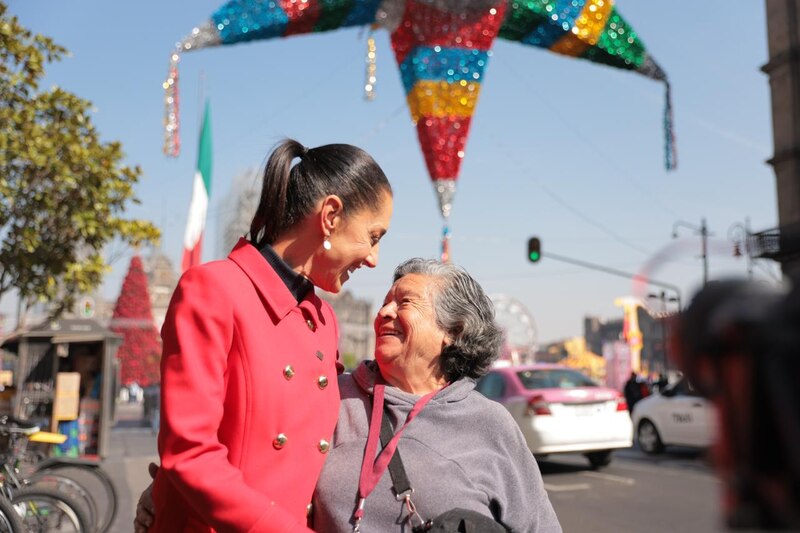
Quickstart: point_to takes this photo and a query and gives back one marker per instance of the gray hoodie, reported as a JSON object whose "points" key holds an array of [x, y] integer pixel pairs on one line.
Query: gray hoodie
{"points": [[462, 450]]}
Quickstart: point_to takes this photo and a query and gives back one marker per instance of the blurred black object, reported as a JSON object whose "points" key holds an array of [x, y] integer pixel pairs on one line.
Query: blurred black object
{"points": [[151, 408], [739, 343]]}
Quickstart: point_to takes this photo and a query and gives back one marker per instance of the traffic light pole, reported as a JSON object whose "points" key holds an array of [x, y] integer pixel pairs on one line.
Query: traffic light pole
{"points": [[701, 230], [615, 272]]}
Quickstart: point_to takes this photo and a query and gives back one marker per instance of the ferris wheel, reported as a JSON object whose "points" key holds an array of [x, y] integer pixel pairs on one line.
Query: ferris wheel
{"points": [[520, 329]]}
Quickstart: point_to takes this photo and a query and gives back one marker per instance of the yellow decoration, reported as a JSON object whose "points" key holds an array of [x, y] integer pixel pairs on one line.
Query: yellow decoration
{"points": [[587, 29], [630, 328], [441, 99], [579, 358], [48, 438]]}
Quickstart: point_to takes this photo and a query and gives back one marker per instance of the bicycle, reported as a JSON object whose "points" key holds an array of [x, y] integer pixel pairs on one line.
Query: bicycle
{"points": [[41, 509], [45, 510], [80, 477], [10, 521], [88, 474]]}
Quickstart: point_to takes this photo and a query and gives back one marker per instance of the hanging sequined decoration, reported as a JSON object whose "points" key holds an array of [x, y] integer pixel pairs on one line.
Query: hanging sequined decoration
{"points": [[172, 140], [670, 151], [372, 67], [445, 191], [445, 243]]}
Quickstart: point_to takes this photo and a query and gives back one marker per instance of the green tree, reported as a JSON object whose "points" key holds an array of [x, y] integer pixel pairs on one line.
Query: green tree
{"points": [[63, 192]]}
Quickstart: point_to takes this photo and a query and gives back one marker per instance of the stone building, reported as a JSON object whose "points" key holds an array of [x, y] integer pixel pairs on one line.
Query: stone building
{"points": [[654, 328], [162, 278], [237, 209], [356, 336], [783, 69]]}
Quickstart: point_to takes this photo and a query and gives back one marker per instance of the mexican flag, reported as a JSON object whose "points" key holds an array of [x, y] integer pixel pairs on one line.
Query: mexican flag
{"points": [[201, 192]]}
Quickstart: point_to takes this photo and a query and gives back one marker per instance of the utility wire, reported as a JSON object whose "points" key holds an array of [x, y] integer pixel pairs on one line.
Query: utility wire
{"points": [[566, 205], [649, 194]]}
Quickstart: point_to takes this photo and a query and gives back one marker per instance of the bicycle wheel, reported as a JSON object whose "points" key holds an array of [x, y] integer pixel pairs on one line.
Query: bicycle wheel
{"points": [[96, 481], [66, 485], [10, 521], [45, 510]]}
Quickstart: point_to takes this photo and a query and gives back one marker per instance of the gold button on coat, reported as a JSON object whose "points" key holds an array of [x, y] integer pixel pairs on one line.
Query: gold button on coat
{"points": [[309, 508], [288, 372], [322, 382], [310, 324], [279, 441], [324, 445]]}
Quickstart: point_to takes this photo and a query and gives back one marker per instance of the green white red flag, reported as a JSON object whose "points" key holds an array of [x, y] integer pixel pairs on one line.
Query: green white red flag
{"points": [[201, 193]]}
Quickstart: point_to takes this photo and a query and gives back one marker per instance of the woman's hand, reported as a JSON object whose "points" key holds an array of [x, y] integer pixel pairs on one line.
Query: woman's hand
{"points": [[145, 509]]}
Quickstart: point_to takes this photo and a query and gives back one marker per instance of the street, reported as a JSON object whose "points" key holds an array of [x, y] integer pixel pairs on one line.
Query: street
{"points": [[132, 448], [675, 491]]}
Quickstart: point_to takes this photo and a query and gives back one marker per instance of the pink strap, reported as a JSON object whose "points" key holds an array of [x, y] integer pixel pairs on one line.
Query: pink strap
{"points": [[371, 471]]}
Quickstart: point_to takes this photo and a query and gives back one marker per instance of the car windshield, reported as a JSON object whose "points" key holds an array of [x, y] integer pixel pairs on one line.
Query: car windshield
{"points": [[554, 378]]}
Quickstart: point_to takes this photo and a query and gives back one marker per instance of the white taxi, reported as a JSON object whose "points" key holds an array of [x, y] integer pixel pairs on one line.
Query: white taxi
{"points": [[675, 416]]}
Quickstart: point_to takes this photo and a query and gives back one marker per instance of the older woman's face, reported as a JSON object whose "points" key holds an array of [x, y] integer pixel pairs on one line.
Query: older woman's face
{"points": [[406, 333]]}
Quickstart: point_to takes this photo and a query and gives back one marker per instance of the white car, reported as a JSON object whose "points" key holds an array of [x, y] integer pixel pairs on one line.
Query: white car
{"points": [[675, 416], [559, 410]]}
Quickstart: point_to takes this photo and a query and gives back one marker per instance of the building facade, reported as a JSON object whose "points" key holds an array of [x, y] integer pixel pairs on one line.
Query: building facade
{"points": [[783, 69], [162, 278], [356, 334], [655, 331]]}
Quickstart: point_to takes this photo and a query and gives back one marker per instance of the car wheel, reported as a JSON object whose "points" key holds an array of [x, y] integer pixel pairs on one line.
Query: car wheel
{"points": [[599, 459], [648, 437]]}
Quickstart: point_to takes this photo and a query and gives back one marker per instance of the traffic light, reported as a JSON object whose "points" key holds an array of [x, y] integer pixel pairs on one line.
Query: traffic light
{"points": [[534, 249]]}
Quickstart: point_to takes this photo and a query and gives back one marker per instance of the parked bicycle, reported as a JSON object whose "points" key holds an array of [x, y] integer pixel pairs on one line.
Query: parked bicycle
{"points": [[40, 509], [10, 521], [88, 474], [81, 478]]}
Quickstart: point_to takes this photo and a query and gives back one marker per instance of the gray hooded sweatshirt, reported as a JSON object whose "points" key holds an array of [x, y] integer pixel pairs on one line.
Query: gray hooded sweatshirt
{"points": [[463, 450]]}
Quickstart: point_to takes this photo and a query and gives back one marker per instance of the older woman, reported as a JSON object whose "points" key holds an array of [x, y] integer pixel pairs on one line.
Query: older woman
{"points": [[435, 334]]}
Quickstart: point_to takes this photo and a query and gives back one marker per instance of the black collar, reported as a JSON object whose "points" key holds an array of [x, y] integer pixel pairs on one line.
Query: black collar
{"points": [[297, 284]]}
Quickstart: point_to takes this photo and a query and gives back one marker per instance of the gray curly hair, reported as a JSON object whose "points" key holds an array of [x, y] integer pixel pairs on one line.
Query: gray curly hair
{"points": [[465, 313]]}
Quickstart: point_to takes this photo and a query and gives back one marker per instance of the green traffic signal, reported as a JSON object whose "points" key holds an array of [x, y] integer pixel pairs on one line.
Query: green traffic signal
{"points": [[534, 249]]}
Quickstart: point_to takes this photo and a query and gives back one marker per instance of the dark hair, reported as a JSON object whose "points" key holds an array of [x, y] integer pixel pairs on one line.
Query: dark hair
{"points": [[465, 312], [289, 192]]}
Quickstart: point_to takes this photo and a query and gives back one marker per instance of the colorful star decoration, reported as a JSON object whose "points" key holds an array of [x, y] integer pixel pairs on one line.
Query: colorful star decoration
{"points": [[442, 48]]}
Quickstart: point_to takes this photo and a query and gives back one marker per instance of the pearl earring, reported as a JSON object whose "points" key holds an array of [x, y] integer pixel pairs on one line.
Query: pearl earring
{"points": [[326, 244]]}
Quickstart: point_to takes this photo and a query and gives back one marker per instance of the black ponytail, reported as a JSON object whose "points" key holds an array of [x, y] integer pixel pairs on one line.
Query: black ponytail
{"points": [[289, 193], [272, 205]]}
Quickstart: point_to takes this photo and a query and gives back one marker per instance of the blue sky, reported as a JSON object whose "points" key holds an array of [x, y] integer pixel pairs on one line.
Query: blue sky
{"points": [[560, 148]]}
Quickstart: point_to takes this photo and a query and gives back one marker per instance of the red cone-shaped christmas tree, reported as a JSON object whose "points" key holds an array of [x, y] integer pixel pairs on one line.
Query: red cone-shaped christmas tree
{"points": [[140, 352]]}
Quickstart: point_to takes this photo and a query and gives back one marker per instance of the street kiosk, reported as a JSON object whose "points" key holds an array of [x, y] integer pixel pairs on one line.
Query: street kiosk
{"points": [[65, 380]]}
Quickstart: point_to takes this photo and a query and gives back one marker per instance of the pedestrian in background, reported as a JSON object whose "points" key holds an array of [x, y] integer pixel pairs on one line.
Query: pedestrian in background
{"points": [[632, 391], [661, 383], [249, 394]]}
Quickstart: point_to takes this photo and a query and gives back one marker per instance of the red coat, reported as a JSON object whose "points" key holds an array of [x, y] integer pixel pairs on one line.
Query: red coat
{"points": [[249, 399]]}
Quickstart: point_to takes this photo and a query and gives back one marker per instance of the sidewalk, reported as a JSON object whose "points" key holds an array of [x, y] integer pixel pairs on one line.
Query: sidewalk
{"points": [[132, 447]]}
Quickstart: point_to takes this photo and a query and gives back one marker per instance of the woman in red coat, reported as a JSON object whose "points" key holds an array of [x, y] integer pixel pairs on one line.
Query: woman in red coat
{"points": [[248, 374]]}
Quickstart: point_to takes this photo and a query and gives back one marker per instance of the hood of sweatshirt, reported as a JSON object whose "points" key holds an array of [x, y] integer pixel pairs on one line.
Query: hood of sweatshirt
{"points": [[364, 376]]}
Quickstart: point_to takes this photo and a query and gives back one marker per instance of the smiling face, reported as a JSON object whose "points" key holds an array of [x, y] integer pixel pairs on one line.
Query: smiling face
{"points": [[355, 242], [408, 342]]}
